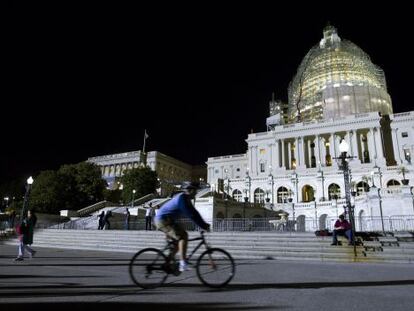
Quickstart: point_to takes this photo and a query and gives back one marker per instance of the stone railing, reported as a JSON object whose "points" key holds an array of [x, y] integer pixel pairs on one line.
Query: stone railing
{"points": [[92, 208]]}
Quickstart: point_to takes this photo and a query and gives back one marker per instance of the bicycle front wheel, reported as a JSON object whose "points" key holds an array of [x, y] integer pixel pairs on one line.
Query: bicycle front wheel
{"points": [[215, 267], [148, 268]]}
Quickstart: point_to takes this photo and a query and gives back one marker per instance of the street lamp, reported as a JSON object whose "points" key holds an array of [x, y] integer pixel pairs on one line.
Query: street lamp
{"points": [[320, 171], [380, 207], [343, 149], [29, 183], [247, 183], [293, 224], [7, 201], [271, 183], [133, 197], [412, 195], [373, 181]]}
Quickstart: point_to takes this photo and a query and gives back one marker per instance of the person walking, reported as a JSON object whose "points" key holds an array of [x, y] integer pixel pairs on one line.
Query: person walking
{"points": [[127, 217], [101, 220], [25, 236], [148, 217], [107, 224]]}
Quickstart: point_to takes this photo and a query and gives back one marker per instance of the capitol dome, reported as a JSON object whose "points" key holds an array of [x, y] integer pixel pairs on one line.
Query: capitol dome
{"points": [[335, 79]]}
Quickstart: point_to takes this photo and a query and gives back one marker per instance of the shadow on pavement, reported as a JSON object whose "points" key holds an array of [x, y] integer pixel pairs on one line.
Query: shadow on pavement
{"points": [[135, 306]]}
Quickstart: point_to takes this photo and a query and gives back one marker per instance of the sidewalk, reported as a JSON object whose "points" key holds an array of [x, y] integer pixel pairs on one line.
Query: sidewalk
{"points": [[87, 280]]}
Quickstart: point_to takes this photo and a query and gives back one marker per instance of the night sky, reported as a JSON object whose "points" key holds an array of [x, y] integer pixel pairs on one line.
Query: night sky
{"points": [[82, 82]]}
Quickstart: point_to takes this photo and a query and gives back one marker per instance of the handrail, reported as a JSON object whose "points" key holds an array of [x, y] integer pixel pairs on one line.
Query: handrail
{"points": [[92, 208]]}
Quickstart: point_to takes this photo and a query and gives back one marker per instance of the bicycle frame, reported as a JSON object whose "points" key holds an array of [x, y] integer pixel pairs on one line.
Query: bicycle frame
{"points": [[173, 243]]}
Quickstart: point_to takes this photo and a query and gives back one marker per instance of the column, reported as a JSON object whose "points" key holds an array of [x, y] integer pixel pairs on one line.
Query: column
{"points": [[297, 151], [396, 146], [250, 165], [317, 150], [332, 146], [354, 143], [275, 155], [270, 158], [379, 146], [371, 146], [289, 166], [323, 151], [361, 140], [303, 150], [254, 161], [282, 141], [337, 141]]}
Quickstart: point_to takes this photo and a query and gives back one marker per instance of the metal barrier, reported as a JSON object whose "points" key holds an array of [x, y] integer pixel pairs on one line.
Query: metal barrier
{"points": [[300, 224]]}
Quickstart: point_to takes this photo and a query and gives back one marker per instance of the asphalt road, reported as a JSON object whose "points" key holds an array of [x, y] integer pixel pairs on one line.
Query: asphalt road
{"points": [[89, 280]]}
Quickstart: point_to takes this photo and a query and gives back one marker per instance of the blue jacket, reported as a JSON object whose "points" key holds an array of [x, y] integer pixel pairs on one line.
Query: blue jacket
{"points": [[179, 206]]}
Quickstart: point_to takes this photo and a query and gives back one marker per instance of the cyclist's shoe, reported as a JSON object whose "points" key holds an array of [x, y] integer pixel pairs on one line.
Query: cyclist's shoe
{"points": [[184, 267]]}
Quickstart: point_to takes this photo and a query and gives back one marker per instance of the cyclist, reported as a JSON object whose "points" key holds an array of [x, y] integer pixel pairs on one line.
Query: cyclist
{"points": [[180, 205]]}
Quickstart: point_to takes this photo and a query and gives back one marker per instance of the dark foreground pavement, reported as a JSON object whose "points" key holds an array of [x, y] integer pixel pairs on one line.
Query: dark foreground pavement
{"points": [[89, 280]]}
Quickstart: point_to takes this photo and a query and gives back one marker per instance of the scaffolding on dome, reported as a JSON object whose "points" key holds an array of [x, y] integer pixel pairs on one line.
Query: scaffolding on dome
{"points": [[336, 78]]}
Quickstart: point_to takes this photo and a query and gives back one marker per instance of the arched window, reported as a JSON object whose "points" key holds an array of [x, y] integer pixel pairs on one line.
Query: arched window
{"points": [[362, 187], [282, 194], [308, 193], [237, 195], [393, 183], [259, 196], [220, 215], [334, 191]]}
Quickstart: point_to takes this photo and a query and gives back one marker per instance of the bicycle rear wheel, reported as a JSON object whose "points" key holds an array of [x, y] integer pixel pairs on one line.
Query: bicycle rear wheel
{"points": [[148, 268], [215, 267]]}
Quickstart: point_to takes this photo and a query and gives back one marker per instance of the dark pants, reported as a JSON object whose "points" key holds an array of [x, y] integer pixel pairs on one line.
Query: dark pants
{"points": [[346, 233], [148, 222]]}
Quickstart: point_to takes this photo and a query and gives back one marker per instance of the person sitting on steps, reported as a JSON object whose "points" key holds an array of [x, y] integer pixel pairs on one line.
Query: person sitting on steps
{"points": [[342, 227]]}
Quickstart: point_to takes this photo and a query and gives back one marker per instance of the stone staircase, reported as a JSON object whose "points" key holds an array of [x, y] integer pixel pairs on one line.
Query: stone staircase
{"points": [[241, 245]]}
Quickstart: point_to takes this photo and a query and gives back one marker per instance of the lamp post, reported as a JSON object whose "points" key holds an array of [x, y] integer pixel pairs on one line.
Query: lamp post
{"points": [[271, 183], [373, 181], [343, 149], [412, 195], [7, 201], [320, 171], [380, 208], [29, 183], [133, 198], [247, 183]]}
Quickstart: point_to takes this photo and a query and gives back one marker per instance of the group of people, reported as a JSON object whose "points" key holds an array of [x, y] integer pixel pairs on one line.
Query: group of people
{"points": [[104, 223], [103, 220]]}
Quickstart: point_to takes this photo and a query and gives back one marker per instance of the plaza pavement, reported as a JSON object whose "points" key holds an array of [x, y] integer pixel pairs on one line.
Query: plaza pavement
{"points": [[62, 279]]}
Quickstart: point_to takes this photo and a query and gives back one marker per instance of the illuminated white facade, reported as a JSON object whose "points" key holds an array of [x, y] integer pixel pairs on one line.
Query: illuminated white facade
{"points": [[170, 171], [293, 163]]}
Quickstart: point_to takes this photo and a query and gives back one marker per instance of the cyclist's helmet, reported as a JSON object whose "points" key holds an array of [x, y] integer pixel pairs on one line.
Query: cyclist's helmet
{"points": [[190, 185]]}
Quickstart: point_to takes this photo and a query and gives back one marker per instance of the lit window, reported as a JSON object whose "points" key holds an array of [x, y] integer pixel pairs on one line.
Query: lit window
{"points": [[262, 151]]}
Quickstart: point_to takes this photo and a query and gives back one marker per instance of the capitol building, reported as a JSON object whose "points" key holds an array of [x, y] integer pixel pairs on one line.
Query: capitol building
{"points": [[337, 95]]}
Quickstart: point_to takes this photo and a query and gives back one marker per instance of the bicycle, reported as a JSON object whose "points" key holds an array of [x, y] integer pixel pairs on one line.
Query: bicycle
{"points": [[150, 267]]}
